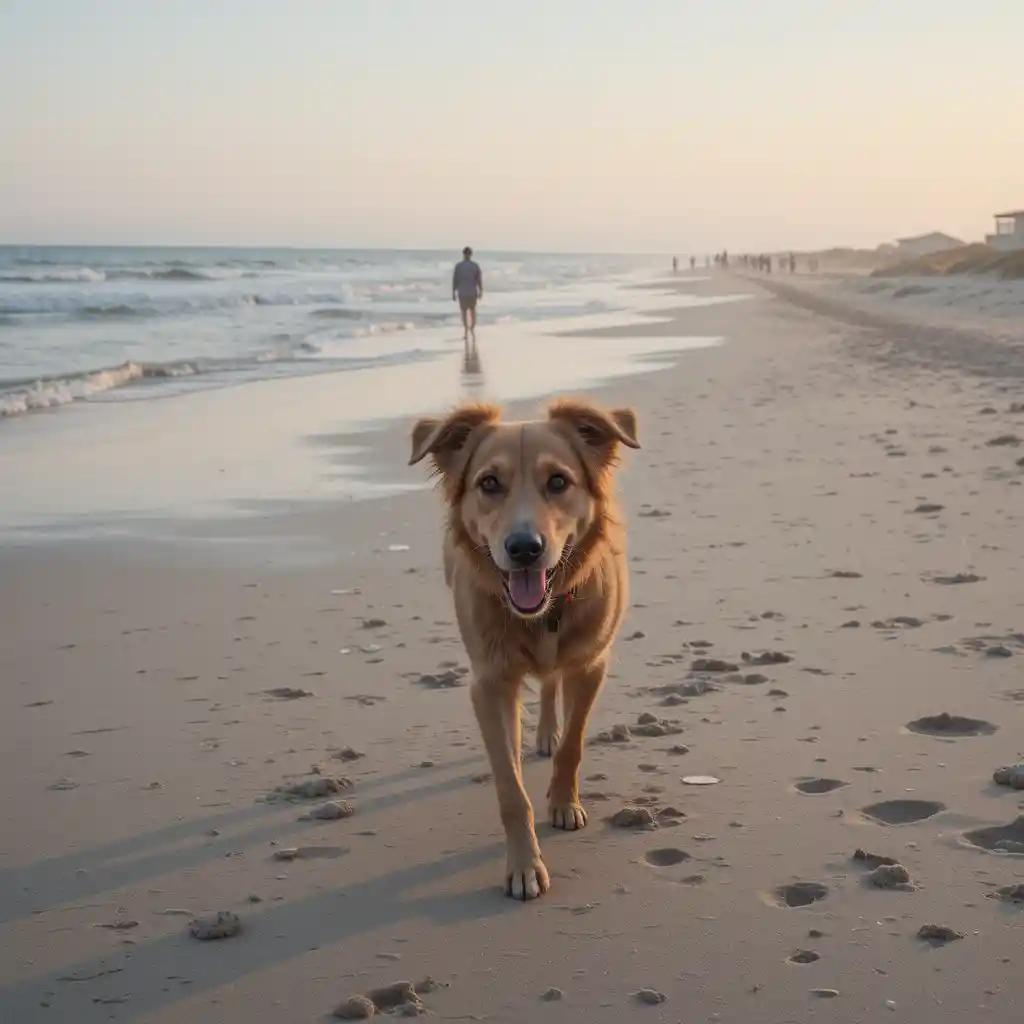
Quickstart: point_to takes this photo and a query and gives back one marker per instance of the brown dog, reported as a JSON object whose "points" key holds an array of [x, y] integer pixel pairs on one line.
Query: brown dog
{"points": [[535, 556]]}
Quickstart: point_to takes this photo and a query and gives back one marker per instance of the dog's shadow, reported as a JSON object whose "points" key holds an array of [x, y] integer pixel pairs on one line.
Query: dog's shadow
{"points": [[269, 937]]}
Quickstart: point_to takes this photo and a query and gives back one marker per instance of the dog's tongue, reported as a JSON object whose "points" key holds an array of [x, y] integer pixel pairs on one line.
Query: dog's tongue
{"points": [[527, 587]]}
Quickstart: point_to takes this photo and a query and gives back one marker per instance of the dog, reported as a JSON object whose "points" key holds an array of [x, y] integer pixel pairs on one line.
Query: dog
{"points": [[535, 557]]}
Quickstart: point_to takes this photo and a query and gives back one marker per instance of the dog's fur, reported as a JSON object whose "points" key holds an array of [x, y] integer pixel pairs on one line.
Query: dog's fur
{"points": [[567, 639]]}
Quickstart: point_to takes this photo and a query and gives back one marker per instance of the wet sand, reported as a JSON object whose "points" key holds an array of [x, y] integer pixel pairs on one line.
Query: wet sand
{"points": [[826, 559]]}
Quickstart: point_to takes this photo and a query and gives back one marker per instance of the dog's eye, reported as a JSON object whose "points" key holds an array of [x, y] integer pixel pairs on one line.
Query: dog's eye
{"points": [[490, 484], [558, 483]]}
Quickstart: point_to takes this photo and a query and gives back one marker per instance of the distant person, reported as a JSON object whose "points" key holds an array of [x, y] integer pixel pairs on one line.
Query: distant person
{"points": [[675, 264], [693, 262], [468, 288]]}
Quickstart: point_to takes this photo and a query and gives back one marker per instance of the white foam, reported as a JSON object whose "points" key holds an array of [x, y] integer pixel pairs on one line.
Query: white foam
{"points": [[49, 394], [56, 275]]}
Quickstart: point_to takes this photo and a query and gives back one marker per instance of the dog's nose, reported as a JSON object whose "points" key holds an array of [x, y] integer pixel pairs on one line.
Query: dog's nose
{"points": [[524, 547]]}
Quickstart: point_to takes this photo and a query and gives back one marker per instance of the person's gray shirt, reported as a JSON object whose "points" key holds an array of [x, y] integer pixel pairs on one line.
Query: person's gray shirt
{"points": [[467, 281]]}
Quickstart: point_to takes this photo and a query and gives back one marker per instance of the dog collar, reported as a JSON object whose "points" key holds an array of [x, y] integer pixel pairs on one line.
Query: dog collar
{"points": [[553, 619]]}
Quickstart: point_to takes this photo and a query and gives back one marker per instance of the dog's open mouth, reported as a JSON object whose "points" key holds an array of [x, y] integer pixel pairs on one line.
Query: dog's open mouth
{"points": [[527, 589]]}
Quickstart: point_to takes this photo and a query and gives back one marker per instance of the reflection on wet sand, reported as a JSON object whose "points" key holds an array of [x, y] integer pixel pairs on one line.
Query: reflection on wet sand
{"points": [[472, 376]]}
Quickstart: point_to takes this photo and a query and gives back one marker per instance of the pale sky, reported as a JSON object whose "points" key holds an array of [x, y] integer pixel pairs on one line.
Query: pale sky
{"points": [[613, 125]]}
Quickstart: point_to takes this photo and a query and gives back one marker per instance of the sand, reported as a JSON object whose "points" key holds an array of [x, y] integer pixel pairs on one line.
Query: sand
{"points": [[154, 698]]}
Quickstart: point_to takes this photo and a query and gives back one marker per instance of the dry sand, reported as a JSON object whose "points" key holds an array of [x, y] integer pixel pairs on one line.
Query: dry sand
{"points": [[853, 514]]}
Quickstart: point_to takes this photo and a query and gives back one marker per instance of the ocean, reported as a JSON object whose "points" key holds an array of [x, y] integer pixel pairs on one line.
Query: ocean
{"points": [[147, 391], [115, 324]]}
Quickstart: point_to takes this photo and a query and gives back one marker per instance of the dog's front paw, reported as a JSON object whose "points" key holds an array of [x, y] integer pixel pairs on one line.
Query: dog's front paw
{"points": [[526, 878], [547, 740], [568, 816]]}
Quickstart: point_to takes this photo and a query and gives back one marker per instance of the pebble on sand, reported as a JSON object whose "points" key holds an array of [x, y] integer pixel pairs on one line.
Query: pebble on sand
{"points": [[873, 860], [1011, 775], [347, 754], [309, 789], [634, 817], [890, 876], [648, 725], [649, 996], [766, 658], [222, 925], [402, 998], [333, 810], [356, 1008], [713, 665]]}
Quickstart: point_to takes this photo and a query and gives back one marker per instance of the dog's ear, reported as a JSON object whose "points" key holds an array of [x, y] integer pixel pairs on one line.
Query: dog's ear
{"points": [[448, 441], [599, 432]]}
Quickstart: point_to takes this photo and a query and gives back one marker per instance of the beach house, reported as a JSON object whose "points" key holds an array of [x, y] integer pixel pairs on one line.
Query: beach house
{"points": [[924, 245], [1009, 232]]}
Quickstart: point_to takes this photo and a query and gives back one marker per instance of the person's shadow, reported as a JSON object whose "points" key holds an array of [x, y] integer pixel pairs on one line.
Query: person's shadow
{"points": [[472, 376]]}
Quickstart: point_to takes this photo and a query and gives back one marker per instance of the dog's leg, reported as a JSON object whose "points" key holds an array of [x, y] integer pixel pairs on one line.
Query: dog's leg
{"points": [[548, 733], [496, 703], [579, 691]]}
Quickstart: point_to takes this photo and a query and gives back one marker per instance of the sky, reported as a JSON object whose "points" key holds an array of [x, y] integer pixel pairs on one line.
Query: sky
{"points": [[572, 125]]}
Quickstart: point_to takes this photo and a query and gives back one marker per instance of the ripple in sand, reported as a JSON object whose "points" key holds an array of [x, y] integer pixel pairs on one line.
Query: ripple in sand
{"points": [[902, 812], [945, 724]]}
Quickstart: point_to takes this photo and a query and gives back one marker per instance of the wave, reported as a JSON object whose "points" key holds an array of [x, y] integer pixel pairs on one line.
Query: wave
{"points": [[88, 275], [77, 304], [49, 394], [116, 311], [294, 357], [339, 313], [68, 275]]}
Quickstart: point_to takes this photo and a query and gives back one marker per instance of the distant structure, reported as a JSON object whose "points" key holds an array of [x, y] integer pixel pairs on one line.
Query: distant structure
{"points": [[925, 245], [1009, 232]]}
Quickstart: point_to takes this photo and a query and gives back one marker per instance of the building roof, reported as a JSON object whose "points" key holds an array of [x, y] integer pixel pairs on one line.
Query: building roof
{"points": [[1012, 213], [931, 235]]}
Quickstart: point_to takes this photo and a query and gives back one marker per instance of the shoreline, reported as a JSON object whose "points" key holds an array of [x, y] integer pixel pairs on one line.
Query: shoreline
{"points": [[121, 464], [774, 502]]}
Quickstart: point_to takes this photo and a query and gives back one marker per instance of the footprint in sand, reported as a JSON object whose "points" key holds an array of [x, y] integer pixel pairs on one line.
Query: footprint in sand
{"points": [[803, 956], [212, 927], [1009, 894], [816, 787], [957, 579], [999, 838], [945, 724], [902, 812], [666, 857], [798, 894]]}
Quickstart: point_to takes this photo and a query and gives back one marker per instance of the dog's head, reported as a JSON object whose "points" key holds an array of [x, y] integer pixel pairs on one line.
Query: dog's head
{"points": [[526, 498]]}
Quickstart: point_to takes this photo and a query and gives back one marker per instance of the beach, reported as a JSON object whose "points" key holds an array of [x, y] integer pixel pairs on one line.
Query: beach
{"points": [[211, 596]]}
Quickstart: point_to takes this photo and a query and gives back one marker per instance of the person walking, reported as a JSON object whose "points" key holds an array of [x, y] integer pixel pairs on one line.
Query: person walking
{"points": [[468, 289]]}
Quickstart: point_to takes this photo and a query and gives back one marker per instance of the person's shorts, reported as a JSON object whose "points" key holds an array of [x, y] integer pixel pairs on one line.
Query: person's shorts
{"points": [[467, 302]]}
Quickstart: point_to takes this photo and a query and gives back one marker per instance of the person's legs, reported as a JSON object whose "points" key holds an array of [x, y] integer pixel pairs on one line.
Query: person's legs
{"points": [[472, 319], [464, 311]]}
